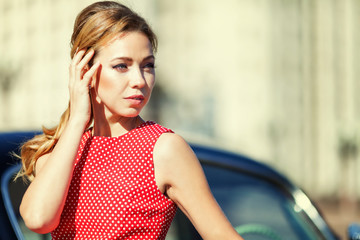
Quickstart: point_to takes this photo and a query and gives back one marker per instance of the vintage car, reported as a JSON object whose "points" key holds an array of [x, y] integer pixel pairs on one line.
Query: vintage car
{"points": [[259, 202]]}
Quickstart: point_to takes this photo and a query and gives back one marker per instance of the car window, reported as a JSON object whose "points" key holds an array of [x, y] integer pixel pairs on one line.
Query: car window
{"points": [[13, 195], [258, 208]]}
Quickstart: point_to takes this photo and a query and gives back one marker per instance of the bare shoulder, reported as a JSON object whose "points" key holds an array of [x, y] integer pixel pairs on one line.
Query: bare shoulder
{"points": [[173, 158], [172, 146]]}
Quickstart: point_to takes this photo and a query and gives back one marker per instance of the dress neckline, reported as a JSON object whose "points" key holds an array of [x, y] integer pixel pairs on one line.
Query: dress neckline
{"points": [[145, 123]]}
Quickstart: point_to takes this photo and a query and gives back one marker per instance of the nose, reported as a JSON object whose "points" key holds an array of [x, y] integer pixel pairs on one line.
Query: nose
{"points": [[137, 79]]}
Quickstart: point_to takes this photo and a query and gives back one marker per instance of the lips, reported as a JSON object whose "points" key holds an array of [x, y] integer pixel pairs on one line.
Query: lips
{"points": [[136, 97], [135, 100]]}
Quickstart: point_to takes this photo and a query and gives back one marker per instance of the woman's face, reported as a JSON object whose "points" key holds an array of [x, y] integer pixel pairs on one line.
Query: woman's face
{"points": [[126, 76]]}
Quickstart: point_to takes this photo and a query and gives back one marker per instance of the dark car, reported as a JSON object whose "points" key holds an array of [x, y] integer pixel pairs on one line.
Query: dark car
{"points": [[259, 202]]}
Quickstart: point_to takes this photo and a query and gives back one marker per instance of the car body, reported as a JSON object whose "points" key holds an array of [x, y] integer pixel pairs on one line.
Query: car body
{"points": [[259, 202]]}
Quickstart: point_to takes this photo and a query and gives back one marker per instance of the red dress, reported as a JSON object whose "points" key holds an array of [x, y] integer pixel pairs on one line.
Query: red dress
{"points": [[113, 193]]}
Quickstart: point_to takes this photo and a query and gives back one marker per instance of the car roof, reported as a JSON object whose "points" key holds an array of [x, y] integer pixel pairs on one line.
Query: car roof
{"points": [[10, 145]]}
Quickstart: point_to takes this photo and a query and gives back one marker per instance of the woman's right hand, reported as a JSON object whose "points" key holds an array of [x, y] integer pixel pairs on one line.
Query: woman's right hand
{"points": [[79, 82]]}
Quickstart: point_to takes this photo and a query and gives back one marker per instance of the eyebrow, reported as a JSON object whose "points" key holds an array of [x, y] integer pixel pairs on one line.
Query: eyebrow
{"points": [[130, 59]]}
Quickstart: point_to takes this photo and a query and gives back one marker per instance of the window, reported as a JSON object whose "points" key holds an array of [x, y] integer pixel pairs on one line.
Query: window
{"points": [[12, 192]]}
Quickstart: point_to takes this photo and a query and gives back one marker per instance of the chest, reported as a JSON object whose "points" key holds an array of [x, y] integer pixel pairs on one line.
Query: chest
{"points": [[114, 171]]}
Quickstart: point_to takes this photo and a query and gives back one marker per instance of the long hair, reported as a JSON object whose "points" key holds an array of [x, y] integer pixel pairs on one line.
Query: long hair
{"points": [[94, 26]]}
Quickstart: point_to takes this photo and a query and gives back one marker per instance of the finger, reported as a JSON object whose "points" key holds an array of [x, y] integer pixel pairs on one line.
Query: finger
{"points": [[84, 61], [78, 56], [74, 62], [90, 73]]}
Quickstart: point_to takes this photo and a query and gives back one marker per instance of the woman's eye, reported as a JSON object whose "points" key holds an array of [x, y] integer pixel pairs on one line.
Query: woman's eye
{"points": [[120, 66], [149, 65]]}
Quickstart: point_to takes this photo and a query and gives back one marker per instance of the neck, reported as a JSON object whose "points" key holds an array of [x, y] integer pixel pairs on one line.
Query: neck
{"points": [[115, 127]]}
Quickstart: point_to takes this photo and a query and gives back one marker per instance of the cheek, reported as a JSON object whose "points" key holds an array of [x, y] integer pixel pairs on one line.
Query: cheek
{"points": [[151, 81], [105, 81]]}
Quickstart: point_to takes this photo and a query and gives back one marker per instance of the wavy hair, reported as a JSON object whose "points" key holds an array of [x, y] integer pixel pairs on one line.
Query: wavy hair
{"points": [[93, 28]]}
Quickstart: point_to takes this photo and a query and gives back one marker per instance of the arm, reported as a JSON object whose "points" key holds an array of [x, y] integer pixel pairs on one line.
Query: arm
{"points": [[44, 199], [181, 173]]}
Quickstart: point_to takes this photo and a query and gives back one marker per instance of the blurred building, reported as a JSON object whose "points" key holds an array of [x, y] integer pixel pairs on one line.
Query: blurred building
{"points": [[272, 79]]}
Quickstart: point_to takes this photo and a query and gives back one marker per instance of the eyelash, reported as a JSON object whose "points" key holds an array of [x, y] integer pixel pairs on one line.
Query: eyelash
{"points": [[150, 65], [124, 66], [120, 66]]}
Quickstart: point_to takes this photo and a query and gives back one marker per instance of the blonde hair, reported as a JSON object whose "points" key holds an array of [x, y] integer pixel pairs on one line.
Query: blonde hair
{"points": [[94, 26]]}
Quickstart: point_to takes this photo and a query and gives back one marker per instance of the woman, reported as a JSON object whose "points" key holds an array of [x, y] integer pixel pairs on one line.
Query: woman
{"points": [[103, 172]]}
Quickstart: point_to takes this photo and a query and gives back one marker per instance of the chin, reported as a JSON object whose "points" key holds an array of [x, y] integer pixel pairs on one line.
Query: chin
{"points": [[132, 113]]}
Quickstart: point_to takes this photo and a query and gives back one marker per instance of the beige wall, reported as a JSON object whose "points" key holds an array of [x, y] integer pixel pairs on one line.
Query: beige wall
{"points": [[276, 80]]}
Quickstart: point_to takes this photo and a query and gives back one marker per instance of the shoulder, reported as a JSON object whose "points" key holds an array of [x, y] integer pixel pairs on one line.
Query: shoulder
{"points": [[172, 150], [170, 143]]}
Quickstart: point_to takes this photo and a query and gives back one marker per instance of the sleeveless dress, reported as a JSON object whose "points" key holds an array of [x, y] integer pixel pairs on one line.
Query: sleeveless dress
{"points": [[113, 193]]}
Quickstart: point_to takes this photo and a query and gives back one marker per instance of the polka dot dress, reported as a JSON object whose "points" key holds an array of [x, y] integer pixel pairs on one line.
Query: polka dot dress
{"points": [[113, 193]]}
